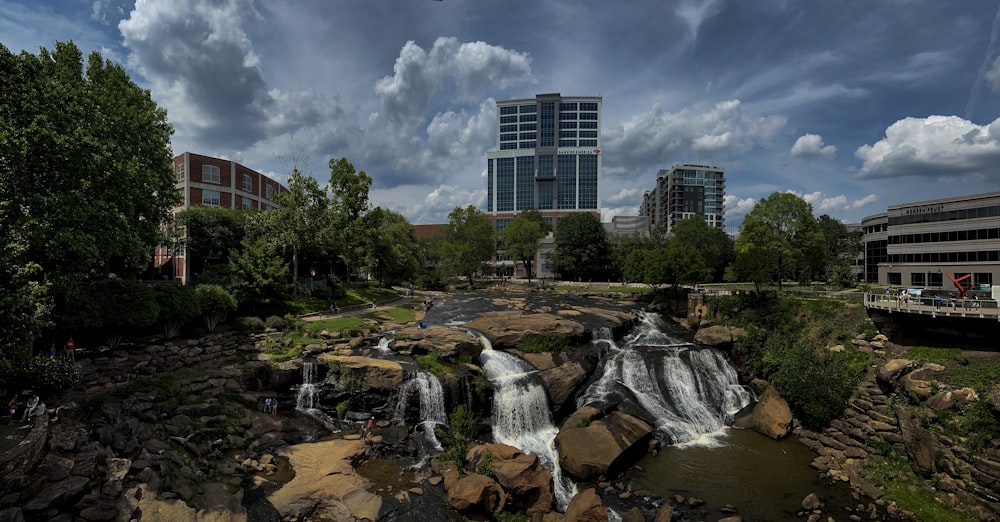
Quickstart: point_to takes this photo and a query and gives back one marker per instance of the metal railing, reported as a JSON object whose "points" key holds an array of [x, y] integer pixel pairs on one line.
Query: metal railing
{"points": [[930, 305]]}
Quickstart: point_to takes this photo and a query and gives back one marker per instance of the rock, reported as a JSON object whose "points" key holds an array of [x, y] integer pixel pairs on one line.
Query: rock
{"points": [[476, 492], [58, 494], [589, 451], [771, 415], [718, 335], [445, 341], [922, 381], [586, 506], [893, 369], [379, 374], [13, 514], [508, 329], [57, 468], [732, 519], [994, 399], [520, 474], [665, 513], [811, 502], [926, 453], [561, 383], [98, 507], [837, 348], [633, 515]]}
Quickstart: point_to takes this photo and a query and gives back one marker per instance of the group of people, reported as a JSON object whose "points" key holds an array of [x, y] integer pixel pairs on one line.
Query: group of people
{"points": [[33, 409], [69, 347], [271, 405]]}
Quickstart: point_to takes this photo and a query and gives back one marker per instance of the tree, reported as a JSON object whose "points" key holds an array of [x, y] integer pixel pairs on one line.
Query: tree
{"points": [[520, 238], [470, 241], [123, 306], [395, 254], [582, 250], [85, 167], [842, 246], [622, 247], [260, 273], [301, 217], [215, 303], [348, 192], [211, 234], [712, 244], [24, 300], [178, 304], [778, 238]]}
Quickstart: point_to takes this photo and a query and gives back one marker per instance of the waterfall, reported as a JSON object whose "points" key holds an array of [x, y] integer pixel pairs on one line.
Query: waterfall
{"points": [[427, 387], [688, 391], [383, 344], [521, 415], [305, 400]]}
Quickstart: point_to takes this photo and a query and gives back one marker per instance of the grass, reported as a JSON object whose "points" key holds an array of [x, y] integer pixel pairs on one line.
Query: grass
{"points": [[432, 363], [961, 371], [286, 353], [895, 476]]}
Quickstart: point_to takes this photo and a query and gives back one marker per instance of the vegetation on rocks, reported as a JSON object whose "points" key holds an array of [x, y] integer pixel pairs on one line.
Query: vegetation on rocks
{"points": [[544, 342]]}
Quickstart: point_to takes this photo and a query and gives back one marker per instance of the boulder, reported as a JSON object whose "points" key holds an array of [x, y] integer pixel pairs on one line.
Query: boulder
{"points": [[561, 382], [994, 399], [521, 475], [948, 399], [922, 381], [588, 450], [379, 374], [445, 341], [665, 513], [718, 335], [893, 369], [811, 502], [586, 506], [926, 454], [476, 492], [508, 329], [771, 415]]}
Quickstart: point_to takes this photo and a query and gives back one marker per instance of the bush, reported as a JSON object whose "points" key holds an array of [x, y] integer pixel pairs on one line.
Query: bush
{"points": [[546, 342], [817, 386], [50, 375], [250, 324], [275, 322], [461, 428], [342, 409]]}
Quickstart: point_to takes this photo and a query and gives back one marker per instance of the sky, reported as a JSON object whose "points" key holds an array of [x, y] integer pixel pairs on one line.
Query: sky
{"points": [[853, 105]]}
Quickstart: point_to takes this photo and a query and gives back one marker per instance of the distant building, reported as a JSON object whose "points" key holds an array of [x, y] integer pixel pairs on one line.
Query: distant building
{"points": [[625, 225], [204, 181], [547, 157], [684, 191], [919, 244]]}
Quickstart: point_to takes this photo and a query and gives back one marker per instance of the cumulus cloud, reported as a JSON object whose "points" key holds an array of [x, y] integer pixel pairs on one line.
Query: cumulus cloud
{"points": [[823, 203], [932, 146], [456, 134], [204, 69], [469, 66], [655, 136], [625, 196], [810, 147], [736, 206]]}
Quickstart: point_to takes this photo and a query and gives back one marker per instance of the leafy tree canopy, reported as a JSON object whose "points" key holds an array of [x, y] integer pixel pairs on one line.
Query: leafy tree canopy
{"points": [[520, 238], [470, 241], [779, 238], [582, 250]]}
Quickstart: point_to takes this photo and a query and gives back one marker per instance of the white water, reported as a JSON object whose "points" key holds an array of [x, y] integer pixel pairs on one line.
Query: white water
{"points": [[521, 415], [691, 392], [432, 413], [383, 344], [305, 400]]}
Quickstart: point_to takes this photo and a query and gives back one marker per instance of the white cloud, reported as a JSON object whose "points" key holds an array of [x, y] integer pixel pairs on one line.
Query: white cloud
{"points": [[609, 212], [810, 146], [823, 203], [992, 76], [736, 206], [694, 13], [625, 196], [932, 146]]}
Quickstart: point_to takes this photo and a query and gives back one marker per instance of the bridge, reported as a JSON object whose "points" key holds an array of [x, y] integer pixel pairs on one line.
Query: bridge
{"points": [[964, 308], [952, 320]]}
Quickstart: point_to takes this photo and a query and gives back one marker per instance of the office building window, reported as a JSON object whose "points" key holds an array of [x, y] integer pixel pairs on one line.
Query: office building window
{"points": [[588, 134], [508, 128], [588, 124], [508, 119], [588, 115], [210, 198], [528, 109], [502, 223], [210, 174], [505, 184], [588, 106], [525, 183], [180, 192], [567, 124], [567, 116], [546, 194], [567, 143], [508, 145], [567, 106], [527, 136], [567, 134], [526, 145], [489, 185], [588, 182], [567, 181], [246, 203], [247, 183], [528, 117], [508, 109], [529, 126], [179, 171], [588, 143], [512, 136], [547, 123], [269, 191]]}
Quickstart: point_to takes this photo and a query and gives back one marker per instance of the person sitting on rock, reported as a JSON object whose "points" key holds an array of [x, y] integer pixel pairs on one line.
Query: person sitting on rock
{"points": [[36, 413]]}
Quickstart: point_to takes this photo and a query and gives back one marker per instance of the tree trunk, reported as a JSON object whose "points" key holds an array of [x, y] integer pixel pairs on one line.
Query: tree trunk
{"points": [[295, 272]]}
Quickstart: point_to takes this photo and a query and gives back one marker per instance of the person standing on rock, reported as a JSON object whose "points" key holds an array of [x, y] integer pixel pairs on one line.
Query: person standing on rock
{"points": [[70, 348], [267, 405], [274, 406], [369, 426], [12, 405]]}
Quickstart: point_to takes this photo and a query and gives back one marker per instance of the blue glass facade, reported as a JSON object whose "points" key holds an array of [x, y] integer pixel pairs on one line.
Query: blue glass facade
{"points": [[525, 183], [566, 175], [505, 184]]}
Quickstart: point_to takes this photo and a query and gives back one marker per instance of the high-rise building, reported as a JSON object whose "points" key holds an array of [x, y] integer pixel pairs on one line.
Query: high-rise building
{"points": [[684, 191], [547, 157]]}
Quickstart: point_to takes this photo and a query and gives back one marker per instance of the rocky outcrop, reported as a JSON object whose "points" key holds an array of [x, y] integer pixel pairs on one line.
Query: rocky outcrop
{"points": [[447, 342], [325, 484], [378, 374], [771, 415], [509, 329], [589, 445], [527, 484], [476, 492], [586, 506], [562, 382], [718, 336]]}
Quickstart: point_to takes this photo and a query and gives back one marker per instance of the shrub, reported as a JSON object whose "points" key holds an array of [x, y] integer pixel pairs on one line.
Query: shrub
{"points": [[342, 410], [275, 322], [485, 466], [52, 374], [250, 324], [431, 362], [461, 428], [817, 386], [545, 342]]}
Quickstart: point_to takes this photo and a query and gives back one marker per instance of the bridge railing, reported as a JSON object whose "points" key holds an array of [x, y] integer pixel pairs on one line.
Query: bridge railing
{"points": [[929, 305]]}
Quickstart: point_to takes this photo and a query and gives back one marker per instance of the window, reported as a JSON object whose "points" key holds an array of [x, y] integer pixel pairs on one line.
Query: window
{"points": [[567, 134], [511, 136], [528, 117], [508, 109], [529, 126], [588, 134], [269, 191], [567, 124], [505, 184], [588, 143], [180, 192], [526, 145], [508, 128], [508, 145], [210, 198], [508, 119], [179, 171], [528, 108], [246, 203], [247, 183], [567, 116], [588, 106], [567, 143], [588, 124], [210, 174], [527, 136], [567, 106], [588, 115]]}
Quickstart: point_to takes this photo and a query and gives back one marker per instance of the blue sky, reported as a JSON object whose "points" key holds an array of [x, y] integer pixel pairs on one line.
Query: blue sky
{"points": [[854, 105]]}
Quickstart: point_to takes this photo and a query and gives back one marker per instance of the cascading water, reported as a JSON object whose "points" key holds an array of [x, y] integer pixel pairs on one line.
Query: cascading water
{"points": [[383, 344], [305, 400], [687, 391], [521, 415], [427, 387]]}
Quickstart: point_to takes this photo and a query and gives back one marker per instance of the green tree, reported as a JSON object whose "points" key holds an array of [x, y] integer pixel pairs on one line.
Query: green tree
{"points": [[123, 306], [211, 234], [622, 247], [302, 215], [778, 238], [215, 303], [582, 250], [395, 254], [713, 245], [85, 168], [178, 304], [520, 238], [470, 241], [260, 274], [348, 190], [842, 246], [24, 300]]}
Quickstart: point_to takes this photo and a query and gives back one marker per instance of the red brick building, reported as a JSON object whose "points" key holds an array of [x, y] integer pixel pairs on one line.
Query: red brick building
{"points": [[204, 181]]}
